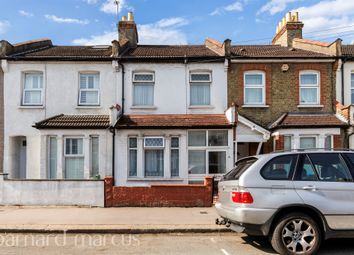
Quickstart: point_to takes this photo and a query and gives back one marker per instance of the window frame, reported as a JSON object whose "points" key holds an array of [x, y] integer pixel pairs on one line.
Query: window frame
{"points": [[91, 154], [135, 82], [308, 136], [48, 155], [206, 148], [24, 90], [128, 158], [172, 148], [98, 90], [254, 86], [65, 155], [311, 86], [154, 147], [195, 82]]}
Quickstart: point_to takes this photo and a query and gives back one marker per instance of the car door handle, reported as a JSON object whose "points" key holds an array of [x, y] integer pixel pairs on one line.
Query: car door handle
{"points": [[310, 188]]}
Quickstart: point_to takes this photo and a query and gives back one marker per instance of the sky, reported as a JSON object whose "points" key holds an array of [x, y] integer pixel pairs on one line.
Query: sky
{"points": [[92, 22]]}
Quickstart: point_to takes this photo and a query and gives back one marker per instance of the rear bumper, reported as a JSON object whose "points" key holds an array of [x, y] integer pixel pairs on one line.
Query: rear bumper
{"points": [[255, 221]]}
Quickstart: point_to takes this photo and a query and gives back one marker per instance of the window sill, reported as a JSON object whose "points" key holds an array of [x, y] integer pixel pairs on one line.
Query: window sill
{"points": [[31, 107], [196, 107], [88, 107], [154, 179], [143, 107], [255, 106], [310, 106]]}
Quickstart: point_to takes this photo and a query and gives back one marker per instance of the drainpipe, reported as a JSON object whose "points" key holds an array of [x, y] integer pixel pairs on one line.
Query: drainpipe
{"points": [[342, 79]]}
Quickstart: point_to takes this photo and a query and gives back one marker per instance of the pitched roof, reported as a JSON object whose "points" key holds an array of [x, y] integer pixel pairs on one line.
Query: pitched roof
{"points": [[173, 121], [170, 51], [348, 50], [307, 120], [74, 121], [272, 51], [67, 52]]}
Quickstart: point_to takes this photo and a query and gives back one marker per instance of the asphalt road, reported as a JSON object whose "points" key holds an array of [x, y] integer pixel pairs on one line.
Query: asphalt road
{"points": [[223, 244]]}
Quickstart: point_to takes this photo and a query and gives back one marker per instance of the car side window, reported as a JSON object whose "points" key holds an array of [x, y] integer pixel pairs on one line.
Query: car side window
{"points": [[307, 172], [279, 168], [330, 167]]}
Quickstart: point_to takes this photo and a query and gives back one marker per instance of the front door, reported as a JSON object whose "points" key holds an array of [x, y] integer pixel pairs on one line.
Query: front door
{"points": [[323, 180]]}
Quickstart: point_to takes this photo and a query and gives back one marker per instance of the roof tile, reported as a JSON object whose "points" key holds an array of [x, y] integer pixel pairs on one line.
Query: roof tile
{"points": [[75, 121]]}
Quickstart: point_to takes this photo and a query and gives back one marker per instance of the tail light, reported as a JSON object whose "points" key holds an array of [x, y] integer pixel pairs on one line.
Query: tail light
{"points": [[242, 197]]}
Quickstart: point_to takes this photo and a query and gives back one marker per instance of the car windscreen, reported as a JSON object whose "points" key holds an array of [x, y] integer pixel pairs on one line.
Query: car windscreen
{"points": [[239, 169]]}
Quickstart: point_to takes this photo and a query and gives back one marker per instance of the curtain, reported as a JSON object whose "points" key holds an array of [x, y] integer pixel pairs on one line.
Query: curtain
{"points": [[253, 95], [287, 143], [89, 97], [154, 163], [133, 162], [307, 142], [196, 162], [200, 94], [74, 167], [174, 162], [94, 156], [309, 95], [308, 79], [143, 94], [33, 97], [253, 79], [52, 157]]}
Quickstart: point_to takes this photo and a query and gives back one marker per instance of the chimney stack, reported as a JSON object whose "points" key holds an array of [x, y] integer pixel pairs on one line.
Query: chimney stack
{"points": [[289, 28], [128, 31]]}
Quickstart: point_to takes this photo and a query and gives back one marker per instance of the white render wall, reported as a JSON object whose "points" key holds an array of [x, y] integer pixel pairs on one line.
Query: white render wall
{"points": [[121, 160], [61, 87], [171, 90], [51, 192], [348, 69]]}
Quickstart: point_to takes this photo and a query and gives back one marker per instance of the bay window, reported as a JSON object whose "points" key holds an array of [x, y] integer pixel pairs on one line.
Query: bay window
{"points": [[254, 88], [308, 142], [94, 156], [133, 156], [89, 91], [309, 88], [33, 89], [174, 156], [207, 157], [154, 156], [143, 89], [52, 157]]}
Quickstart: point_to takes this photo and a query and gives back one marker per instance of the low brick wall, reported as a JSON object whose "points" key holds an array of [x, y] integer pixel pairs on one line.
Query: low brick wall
{"points": [[193, 195]]}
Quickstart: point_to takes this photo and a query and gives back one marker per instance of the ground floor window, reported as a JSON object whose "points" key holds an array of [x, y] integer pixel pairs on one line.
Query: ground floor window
{"points": [[329, 142], [308, 142], [74, 158], [174, 156], [52, 157], [207, 151], [288, 141], [94, 156], [154, 163], [133, 156]]}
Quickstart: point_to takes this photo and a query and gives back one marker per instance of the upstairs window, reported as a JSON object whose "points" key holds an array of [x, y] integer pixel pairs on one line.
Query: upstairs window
{"points": [[309, 88], [254, 88], [143, 89], [89, 93], [200, 89], [33, 89], [352, 87]]}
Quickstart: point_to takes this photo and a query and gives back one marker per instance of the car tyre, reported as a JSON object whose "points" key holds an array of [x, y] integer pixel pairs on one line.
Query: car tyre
{"points": [[296, 233]]}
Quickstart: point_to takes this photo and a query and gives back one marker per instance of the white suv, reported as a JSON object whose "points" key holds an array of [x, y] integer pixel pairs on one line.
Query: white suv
{"points": [[295, 198]]}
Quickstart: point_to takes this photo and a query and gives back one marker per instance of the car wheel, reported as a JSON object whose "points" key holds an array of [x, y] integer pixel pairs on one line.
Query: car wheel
{"points": [[296, 233]]}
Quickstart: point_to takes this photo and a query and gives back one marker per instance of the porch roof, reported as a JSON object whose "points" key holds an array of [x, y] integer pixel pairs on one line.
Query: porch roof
{"points": [[307, 120], [174, 121], [82, 121]]}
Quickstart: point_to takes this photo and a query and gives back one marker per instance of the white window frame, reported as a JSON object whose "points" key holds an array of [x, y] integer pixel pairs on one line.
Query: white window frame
{"points": [[179, 155], [351, 86], [308, 136], [137, 156], [154, 147], [90, 90], [291, 141], [318, 86], [74, 155], [332, 141], [48, 155], [191, 82], [24, 90], [134, 81], [254, 86], [207, 149], [91, 154]]}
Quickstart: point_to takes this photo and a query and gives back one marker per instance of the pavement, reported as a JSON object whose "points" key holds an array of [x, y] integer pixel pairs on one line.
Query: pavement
{"points": [[125, 220]]}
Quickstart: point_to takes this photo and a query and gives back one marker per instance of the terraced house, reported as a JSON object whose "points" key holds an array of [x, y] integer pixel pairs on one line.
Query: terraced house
{"points": [[155, 121], [288, 88]]}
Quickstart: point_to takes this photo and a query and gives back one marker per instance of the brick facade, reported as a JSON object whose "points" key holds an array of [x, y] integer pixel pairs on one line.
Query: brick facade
{"points": [[282, 89], [162, 195]]}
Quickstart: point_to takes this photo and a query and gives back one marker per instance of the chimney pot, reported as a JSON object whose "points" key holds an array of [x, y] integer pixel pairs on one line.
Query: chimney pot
{"points": [[297, 16], [124, 18], [130, 16], [288, 17]]}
